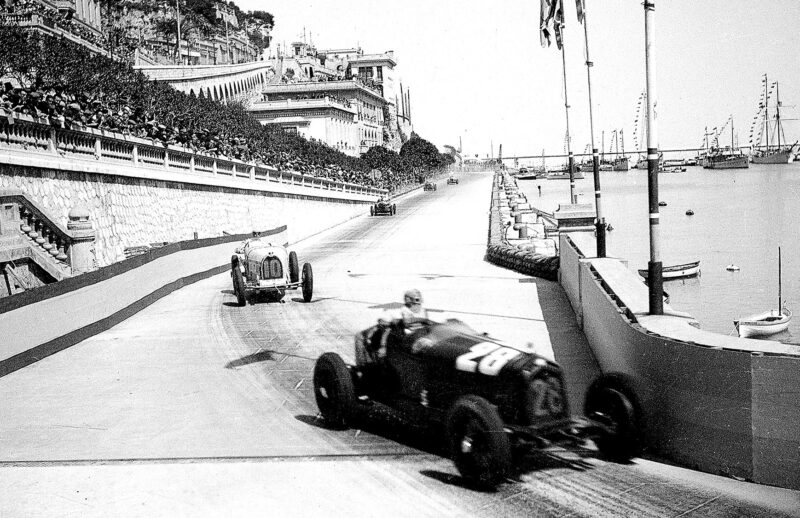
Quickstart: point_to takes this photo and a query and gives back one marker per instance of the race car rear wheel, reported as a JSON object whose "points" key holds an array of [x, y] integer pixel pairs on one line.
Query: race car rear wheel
{"points": [[613, 408], [238, 285], [308, 282], [480, 446], [333, 389], [394, 209], [371, 210], [294, 269]]}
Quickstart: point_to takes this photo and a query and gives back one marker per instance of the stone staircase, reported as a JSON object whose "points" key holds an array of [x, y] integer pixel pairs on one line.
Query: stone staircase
{"points": [[35, 249]]}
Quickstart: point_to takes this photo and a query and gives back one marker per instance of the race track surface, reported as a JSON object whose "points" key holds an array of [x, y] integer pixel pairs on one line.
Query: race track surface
{"points": [[197, 407]]}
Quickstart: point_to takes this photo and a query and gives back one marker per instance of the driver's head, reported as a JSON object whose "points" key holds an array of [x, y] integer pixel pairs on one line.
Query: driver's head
{"points": [[413, 298]]}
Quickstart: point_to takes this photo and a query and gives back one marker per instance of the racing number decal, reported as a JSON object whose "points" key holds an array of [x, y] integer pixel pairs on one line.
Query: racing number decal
{"points": [[486, 358]]}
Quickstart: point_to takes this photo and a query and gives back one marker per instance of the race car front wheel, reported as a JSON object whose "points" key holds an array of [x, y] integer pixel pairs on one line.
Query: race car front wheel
{"points": [[479, 445], [333, 389], [371, 210], [308, 282], [611, 407], [238, 285], [294, 270]]}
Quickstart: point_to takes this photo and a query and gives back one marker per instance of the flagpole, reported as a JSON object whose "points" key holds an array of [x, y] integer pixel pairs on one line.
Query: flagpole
{"points": [[655, 280], [600, 225], [571, 158]]}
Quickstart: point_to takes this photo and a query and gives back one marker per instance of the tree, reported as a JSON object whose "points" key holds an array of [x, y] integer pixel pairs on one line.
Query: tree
{"points": [[421, 154]]}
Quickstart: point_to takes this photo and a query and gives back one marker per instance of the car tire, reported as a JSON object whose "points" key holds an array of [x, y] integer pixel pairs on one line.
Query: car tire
{"points": [[333, 390], [294, 269], [479, 445], [394, 209], [308, 282], [612, 407], [238, 285]]}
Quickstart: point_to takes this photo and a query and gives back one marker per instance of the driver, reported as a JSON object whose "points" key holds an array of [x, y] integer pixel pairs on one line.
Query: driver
{"points": [[410, 313]]}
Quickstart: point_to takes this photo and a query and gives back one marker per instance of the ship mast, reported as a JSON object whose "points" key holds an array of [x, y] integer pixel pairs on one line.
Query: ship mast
{"points": [[766, 108], [778, 118]]}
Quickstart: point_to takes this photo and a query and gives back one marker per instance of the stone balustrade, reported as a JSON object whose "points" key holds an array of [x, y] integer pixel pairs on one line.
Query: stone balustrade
{"points": [[19, 132], [69, 249]]}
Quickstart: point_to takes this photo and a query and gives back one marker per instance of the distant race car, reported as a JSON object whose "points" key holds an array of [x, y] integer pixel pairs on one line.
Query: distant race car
{"points": [[258, 266], [452, 181], [489, 397], [382, 207], [429, 186]]}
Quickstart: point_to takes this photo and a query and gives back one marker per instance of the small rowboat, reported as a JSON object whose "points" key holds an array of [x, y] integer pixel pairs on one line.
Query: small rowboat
{"points": [[677, 271], [768, 323], [764, 324]]}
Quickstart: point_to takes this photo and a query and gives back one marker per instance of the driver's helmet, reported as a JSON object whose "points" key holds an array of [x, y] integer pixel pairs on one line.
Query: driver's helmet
{"points": [[412, 297]]}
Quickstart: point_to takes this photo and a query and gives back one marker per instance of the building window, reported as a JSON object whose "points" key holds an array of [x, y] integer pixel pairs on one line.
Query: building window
{"points": [[380, 73]]}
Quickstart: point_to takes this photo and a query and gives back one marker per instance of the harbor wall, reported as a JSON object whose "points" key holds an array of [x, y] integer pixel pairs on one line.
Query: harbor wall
{"points": [[719, 404]]}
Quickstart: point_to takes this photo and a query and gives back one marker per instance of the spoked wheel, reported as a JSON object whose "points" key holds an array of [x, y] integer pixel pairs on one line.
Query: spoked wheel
{"points": [[480, 447], [294, 269], [333, 389], [238, 285], [614, 409], [308, 282]]}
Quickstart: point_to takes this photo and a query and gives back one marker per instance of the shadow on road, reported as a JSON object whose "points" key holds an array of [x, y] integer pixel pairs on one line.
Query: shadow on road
{"points": [[263, 356], [455, 480]]}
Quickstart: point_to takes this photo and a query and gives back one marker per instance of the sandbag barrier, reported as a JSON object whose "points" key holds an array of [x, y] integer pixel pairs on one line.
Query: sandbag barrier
{"points": [[499, 252]]}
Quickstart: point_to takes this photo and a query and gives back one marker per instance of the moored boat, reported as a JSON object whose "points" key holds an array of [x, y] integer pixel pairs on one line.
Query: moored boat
{"points": [[768, 323], [778, 153], [764, 324], [676, 271], [729, 157]]}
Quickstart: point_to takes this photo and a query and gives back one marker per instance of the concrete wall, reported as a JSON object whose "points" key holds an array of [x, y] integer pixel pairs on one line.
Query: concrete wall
{"points": [[719, 404]]}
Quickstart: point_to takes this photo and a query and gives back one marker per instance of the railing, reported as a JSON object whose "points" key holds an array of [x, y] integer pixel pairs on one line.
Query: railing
{"points": [[20, 132], [43, 233]]}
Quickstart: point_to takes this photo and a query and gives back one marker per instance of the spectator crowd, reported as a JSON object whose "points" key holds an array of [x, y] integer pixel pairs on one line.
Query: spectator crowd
{"points": [[66, 86]]}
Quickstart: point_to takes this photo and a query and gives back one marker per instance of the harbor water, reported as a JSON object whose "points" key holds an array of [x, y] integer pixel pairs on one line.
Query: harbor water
{"points": [[741, 217]]}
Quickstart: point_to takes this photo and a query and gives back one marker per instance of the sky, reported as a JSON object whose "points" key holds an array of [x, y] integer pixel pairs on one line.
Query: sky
{"points": [[477, 71]]}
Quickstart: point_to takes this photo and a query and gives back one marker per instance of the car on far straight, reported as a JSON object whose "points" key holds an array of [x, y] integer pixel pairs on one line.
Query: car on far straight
{"points": [[491, 399], [430, 186], [260, 267], [382, 207], [452, 180]]}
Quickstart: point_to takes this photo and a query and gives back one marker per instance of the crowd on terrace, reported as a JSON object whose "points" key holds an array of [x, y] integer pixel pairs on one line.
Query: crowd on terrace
{"points": [[64, 85], [51, 17]]}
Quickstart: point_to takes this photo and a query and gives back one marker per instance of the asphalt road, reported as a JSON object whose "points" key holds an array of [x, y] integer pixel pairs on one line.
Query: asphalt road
{"points": [[197, 407]]}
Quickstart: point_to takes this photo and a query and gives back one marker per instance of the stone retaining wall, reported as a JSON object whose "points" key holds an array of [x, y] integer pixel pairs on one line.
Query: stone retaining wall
{"points": [[129, 211]]}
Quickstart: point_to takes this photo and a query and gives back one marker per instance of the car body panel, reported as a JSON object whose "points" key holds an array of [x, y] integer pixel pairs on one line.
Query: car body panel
{"points": [[527, 388]]}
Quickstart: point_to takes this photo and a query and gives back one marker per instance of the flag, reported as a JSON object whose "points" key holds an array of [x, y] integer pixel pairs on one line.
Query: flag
{"points": [[580, 6], [546, 13], [558, 23]]}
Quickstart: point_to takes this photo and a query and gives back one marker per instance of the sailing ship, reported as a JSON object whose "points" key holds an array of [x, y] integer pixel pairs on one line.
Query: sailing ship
{"points": [[767, 323], [778, 153], [621, 162], [729, 157]]}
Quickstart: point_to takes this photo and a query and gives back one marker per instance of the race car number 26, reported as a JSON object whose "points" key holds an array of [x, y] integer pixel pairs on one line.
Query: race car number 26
{"points": [[486, 358]]}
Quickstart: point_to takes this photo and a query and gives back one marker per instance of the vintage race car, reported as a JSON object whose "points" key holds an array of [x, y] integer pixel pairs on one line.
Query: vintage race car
{"points": [[258, 266], [491, 399], [452, 181], [430, 186], [382, 207]]}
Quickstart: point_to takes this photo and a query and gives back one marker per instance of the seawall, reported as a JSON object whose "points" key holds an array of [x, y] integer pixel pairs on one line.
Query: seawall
{"points": [[711, 402]]}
